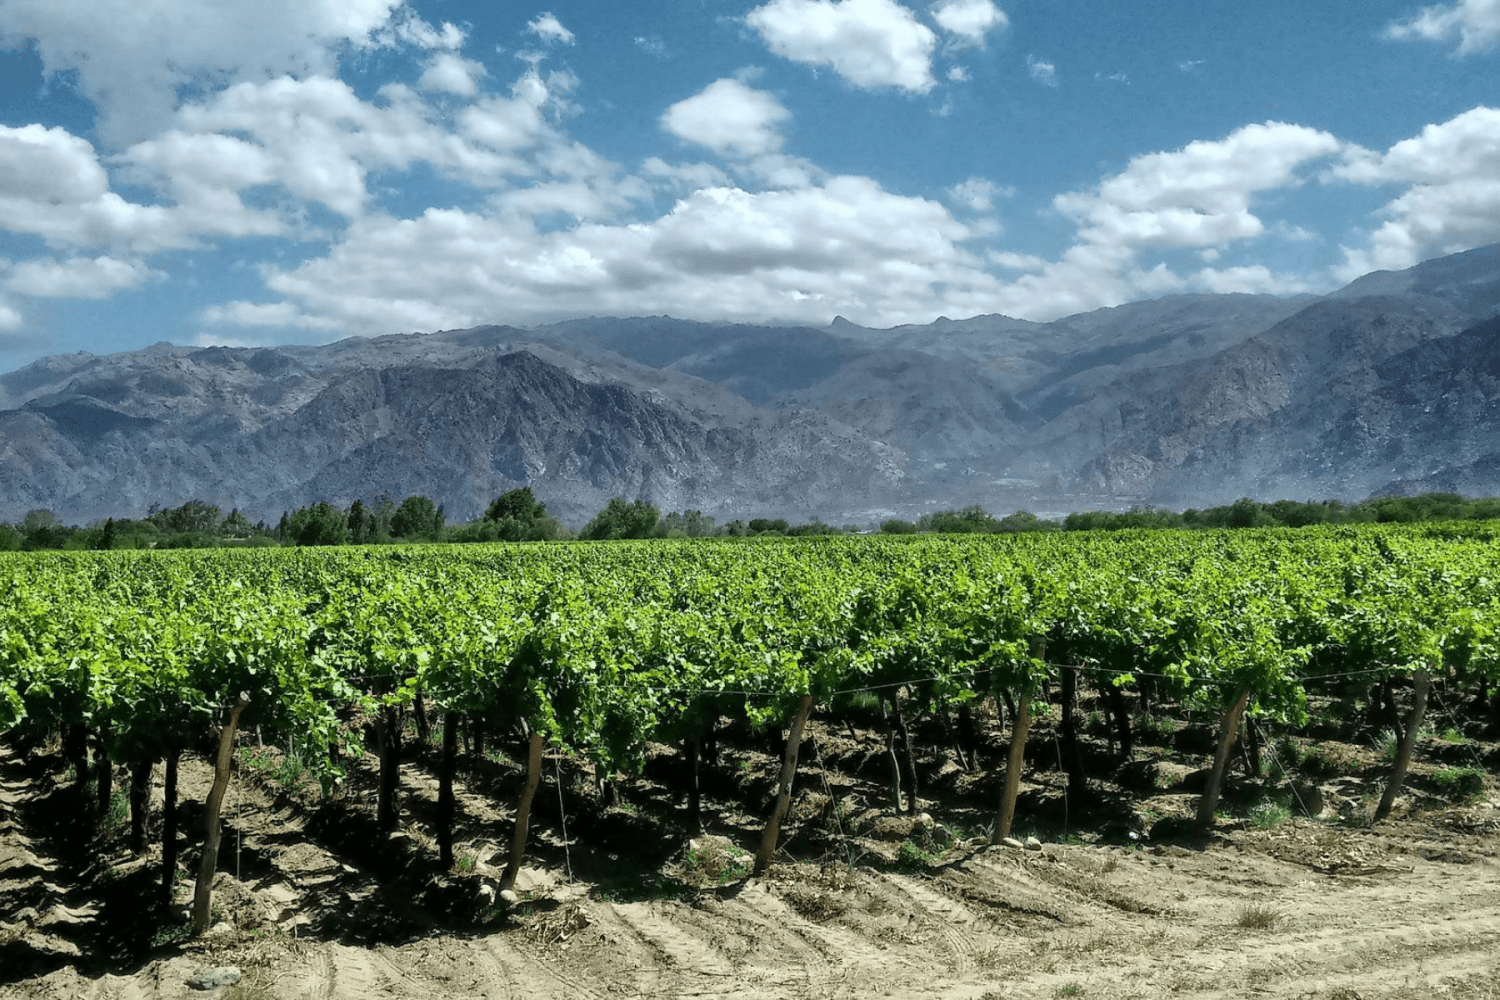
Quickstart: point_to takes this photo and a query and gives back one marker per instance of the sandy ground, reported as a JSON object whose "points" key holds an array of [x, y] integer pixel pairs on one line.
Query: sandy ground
{"points": [[1409, 908]]}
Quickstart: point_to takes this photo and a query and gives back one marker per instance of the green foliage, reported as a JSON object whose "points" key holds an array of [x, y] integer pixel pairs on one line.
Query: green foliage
{"points": [[417, 519], [1268, 813], [1462, 784], [622, 520], [896, 526], [716, 866], [320, 524]]}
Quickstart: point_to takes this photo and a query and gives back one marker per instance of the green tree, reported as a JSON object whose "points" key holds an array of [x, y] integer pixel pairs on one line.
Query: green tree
{"points": [[518, 516], [236, 525], [320, 524], [417, 518], [692, 523], [196, 517], [622, 520], [361, 523]]}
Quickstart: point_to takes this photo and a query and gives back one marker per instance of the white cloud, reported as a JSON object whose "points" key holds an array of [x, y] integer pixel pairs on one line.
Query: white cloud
{"points": [[1453, 199], [1041, 71], [958, 74], [77, 277], [1474, 24], [1194, 198], [53, 186], [870, 43], [845, 247], [1255, 279], [10, 319], [969, 20], [549, 29], [272, 315], [977, 194], [729, 117], [689, 176], [453, 74], [1198, 195], [131, 56], [653, 46]]}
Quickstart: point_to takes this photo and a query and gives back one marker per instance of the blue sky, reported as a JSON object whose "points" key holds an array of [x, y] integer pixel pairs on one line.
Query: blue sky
{"points": [[304, 170]]}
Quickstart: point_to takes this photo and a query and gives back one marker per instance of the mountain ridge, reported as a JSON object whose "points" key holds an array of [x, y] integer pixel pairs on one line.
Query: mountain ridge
{"points": [[1391, 383]]}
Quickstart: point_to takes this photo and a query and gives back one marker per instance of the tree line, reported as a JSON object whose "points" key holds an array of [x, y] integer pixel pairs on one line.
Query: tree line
{"points": [[518, 516]]}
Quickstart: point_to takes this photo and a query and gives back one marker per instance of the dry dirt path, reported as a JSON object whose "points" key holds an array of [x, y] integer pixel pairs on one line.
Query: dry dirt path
{"points": [[1386, 914]]}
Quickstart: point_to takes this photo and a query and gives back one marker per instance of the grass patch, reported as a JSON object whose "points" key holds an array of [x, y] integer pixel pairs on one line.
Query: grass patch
{"points": [[1268, 813], [716, 865], [1256, 917], [1462, 784]]}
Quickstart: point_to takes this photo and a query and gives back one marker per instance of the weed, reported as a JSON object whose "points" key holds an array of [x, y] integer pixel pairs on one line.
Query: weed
{"points": [[171, 933], [465, 862], [1156, 726], [1069, 990], [1256, 917], [1465, 784], [1386, 744], [1452, 735], [290, 772], [714, 865], [1269, 813], [118, 811]]}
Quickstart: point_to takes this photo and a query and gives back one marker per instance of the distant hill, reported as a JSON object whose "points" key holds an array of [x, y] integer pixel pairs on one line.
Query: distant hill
{"points": [[1390, 384]]}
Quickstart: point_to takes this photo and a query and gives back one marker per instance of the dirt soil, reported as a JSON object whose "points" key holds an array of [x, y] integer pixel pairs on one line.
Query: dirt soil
{"points": [[312, 902]]}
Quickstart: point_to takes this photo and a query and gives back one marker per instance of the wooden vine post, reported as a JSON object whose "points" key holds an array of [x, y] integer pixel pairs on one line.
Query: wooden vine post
{"points": [[445, 801], [1014, 764], [169, 826], [523, 811], [1015, 761], [784, 796], [1229, 727], [210, 860], [1408, 742]]}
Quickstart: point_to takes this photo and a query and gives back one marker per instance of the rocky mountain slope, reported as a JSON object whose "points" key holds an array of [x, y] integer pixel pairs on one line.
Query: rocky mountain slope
{"points": [[1390, 384]]}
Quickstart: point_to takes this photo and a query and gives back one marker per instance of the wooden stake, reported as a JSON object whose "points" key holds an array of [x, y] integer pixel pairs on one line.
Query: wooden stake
{"points": [[784, 798], [210, 861], [523, 811], [1420, 680], [1228, 726], [1013, 766]]}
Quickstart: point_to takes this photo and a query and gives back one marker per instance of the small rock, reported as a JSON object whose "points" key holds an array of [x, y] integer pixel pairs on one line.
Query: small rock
{"points": [[925, 820], [212, 979], [509, 897], [222, 927], [1032, 844], [1011, 842]]}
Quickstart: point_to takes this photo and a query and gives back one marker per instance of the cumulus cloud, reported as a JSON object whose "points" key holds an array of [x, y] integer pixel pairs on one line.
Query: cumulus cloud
{"points": [[1197, 197], [453, 74], [847, 246], [977, 194], [1042, 71], [131, 56], [1452, 202], [77, 277], [1473, 24], [870, 43], [549, 29], [53, 186], [729, 117], [968, 21]]}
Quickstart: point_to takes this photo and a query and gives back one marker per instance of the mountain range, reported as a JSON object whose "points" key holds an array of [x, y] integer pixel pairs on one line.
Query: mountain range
{"points": [[1388, 385]]}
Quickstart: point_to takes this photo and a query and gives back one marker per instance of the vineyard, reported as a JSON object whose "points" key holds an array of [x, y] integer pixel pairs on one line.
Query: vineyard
{"points": [[967, 729]]}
